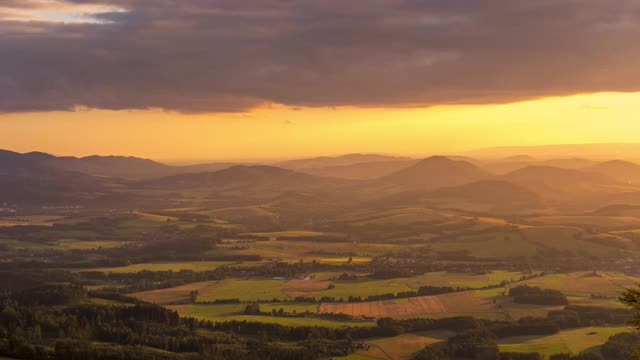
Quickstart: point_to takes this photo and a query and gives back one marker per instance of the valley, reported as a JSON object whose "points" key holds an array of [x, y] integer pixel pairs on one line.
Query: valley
{"points": [[439, 240]]}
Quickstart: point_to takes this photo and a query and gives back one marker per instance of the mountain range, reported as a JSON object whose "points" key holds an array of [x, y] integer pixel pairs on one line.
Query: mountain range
{"points": [[351, 180]]}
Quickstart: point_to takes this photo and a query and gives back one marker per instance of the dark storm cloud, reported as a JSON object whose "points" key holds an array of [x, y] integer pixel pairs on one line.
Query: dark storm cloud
{"points": [[232, 55]]}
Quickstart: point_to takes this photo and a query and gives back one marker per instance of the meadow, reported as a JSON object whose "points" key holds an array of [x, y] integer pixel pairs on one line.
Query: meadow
{"points": [[401, 347], [344, 269], [296, 250], [168, 266], [572, 341], [321, 284], [228, 312]]}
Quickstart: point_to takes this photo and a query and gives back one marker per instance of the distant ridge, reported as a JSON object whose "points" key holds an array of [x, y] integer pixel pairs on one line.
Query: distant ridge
{"points": [[485, 195], [435, 172], [506, 166], [343, 160], [360, 171], [255, 177], [554, 176], [603, 151], [620, 170], [126, 167]]}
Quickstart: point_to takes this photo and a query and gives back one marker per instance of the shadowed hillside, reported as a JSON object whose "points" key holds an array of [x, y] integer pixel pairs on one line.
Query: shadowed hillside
{"points": [[246, 177]]}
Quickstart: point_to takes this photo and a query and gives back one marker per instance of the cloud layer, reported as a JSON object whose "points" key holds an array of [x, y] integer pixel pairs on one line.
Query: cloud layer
{"points": [[233, 55]]}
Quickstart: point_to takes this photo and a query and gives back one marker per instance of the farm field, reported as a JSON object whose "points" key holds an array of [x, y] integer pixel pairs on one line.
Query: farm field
{"points": [[245, 290], [583, 284], [171, 295], [319, 287], [402, 347], [565, 238], [496, 245], [293, 233], [566, 341], [296, 250], [169, 266], [489, 303], [229, 312], [603, 222], [42, 220], [462, 302], [65, 244], [88, 245]]}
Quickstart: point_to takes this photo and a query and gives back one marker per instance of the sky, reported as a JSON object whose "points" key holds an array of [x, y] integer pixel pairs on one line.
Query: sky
{"points": [[241, 79]]}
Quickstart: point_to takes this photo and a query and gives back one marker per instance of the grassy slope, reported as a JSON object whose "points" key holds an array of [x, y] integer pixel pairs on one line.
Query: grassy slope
{"points": [[567, 341]]}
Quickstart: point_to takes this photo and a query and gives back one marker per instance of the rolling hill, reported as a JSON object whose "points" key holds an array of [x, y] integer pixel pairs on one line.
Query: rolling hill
{"points": [[541, 178], [619, 170], [333, 161], [570, 190], [40, 186], [360, 171], [436, 172], [590, 151], [126, 167], [506, 166], [482, 196], [248, 178], [11, 160]]}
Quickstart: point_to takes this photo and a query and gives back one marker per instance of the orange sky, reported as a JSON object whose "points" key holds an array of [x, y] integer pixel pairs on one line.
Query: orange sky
{"points": [[280, 132]]}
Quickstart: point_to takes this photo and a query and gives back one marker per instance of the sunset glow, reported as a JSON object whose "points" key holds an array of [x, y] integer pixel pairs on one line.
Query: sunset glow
{"points": [[284, 132]]}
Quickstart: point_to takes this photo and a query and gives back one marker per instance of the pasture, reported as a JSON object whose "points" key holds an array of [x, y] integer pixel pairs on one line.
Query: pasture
{"points": [[602, 222], [317, 286], [41, 220], [462, 302], [296, 250], [584, 284], [246, 290], [229, 312], [171, 295], [492, 245], [566, 341], [167, 266], [402, 347]]}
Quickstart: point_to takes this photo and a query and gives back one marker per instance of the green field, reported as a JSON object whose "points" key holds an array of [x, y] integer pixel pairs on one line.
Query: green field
{"points": [[602, 222], [65, 244], [296, 250], [246, 290], [293, 233], [166, 266], [41, 220], [583, 284], [228, 312], [318, 286], [494, 245], [402, 347], [566, 341], [68, 244]]}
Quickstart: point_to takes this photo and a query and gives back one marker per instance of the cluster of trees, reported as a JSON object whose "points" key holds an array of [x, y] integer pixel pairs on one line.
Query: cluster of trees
{"points": [[52, 295], [525, 294], [254, 309], [621, 346], [422, 291], [138, 331]]}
